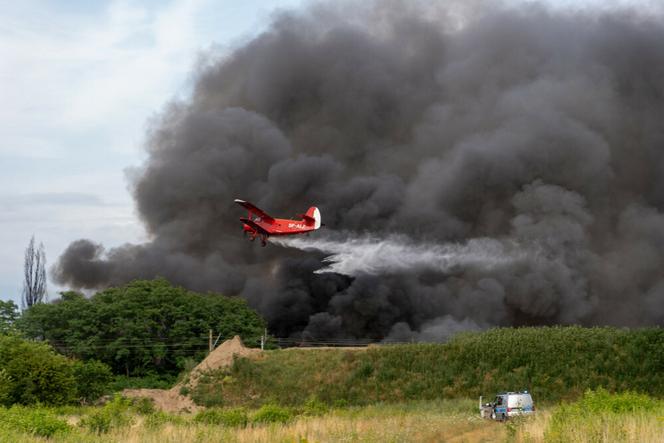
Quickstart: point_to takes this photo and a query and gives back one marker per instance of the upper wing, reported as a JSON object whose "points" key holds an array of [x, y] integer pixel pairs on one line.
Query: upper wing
{"points": [[254, 210]]}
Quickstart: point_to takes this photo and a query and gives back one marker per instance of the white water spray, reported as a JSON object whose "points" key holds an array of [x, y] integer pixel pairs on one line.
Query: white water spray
{"points": [[371, 255]]}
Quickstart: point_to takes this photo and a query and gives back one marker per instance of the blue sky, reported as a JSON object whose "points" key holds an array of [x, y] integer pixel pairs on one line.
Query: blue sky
{"points": [[79, 81]]}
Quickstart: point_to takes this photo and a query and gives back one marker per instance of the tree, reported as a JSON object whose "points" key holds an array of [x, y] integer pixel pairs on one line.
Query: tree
{"points": [[8, 315], [140, 328], [34, 273]]}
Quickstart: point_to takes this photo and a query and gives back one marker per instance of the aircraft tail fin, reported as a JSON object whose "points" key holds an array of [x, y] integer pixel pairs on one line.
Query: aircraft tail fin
{"points": [[312, 217]]}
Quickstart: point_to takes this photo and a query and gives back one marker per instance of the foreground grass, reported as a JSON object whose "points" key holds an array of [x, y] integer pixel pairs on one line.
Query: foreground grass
{"points": [[442, 420], [601, 428], [597, 417], [405, 423]]}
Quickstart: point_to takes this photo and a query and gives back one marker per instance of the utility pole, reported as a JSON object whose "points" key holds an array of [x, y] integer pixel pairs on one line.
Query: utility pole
{"points": [[263, 339], [210, 341]]}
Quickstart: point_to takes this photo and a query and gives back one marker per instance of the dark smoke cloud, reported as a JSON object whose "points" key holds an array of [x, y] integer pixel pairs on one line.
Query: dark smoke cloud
{"points": [[438, 121]]}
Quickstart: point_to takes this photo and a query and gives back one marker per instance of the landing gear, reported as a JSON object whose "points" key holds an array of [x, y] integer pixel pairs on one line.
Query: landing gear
{"points": [[263, 240]]}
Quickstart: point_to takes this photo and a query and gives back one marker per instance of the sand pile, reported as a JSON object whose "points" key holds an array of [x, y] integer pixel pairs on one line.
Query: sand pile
{"points": [[221, 357], [171, 401], [168, 400]]}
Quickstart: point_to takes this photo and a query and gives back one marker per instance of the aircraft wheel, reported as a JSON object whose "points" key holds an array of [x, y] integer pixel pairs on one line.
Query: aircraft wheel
{"points": [[263, 243]]}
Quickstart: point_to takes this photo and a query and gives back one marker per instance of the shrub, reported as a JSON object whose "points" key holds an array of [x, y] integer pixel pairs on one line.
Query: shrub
{"points": [[601, 400], [314, 407], [159, 418], [6, 388], [115, 414], [93, 379], [37, 373], [36, 421], [207, 392], [142, 405], [232, 418], [598, 413], [271, 413]]}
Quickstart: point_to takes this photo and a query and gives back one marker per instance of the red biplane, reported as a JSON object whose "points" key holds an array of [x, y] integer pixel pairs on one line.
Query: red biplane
{"points": [[259, 223]]}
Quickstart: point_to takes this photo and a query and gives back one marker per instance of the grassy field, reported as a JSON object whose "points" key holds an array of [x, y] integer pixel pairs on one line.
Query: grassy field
{"points": [[404, 393], [596, 417], [554, 363]]}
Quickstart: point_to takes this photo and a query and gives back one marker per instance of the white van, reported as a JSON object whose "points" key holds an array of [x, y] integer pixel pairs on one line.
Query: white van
{"points": [[508, 404]]}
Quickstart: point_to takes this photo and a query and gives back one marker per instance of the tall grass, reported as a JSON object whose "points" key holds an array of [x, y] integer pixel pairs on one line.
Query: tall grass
{"points": [[414, 421], [597, 417], [604, 417], [553, 362]]}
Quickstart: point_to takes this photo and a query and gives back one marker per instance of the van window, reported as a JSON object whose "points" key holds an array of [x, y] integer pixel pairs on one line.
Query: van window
{"points": [[520, 401]]}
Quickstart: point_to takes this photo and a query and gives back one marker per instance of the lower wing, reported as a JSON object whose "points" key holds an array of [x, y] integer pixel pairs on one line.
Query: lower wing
{"points": [[255, 226]]}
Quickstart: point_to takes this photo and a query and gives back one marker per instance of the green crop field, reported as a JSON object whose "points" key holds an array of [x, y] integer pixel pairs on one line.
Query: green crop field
{"points": [[554, 363]]}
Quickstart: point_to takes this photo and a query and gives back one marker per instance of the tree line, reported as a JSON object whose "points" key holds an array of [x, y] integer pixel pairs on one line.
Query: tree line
{"points": [[144, 328]]}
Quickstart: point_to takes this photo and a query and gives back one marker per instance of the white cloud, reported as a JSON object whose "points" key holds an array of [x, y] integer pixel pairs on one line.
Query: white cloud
{"points": [[78, 82]]}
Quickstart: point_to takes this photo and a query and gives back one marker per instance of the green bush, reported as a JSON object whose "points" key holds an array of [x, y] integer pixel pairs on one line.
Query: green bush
{"points": [[314, 407], [271, 413], [142, 405], [34, 420], [159, 418], [598, 412], [93, 379], [207, 392], [37, 373], [235, 417], [601, 401], [6, 388], [32, 372], [113, 415]]}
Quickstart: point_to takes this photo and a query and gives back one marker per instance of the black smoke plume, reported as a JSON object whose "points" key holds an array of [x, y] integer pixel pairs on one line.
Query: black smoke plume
{"points": [[437, 122]]}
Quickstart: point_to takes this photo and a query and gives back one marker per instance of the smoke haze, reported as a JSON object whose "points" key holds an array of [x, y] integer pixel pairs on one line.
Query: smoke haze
{"points": [[439, 122]]}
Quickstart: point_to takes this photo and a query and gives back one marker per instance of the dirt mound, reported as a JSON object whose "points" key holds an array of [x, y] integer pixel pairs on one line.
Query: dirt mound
{"points": [[220, 358], [171, 400], [168, 400]]}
